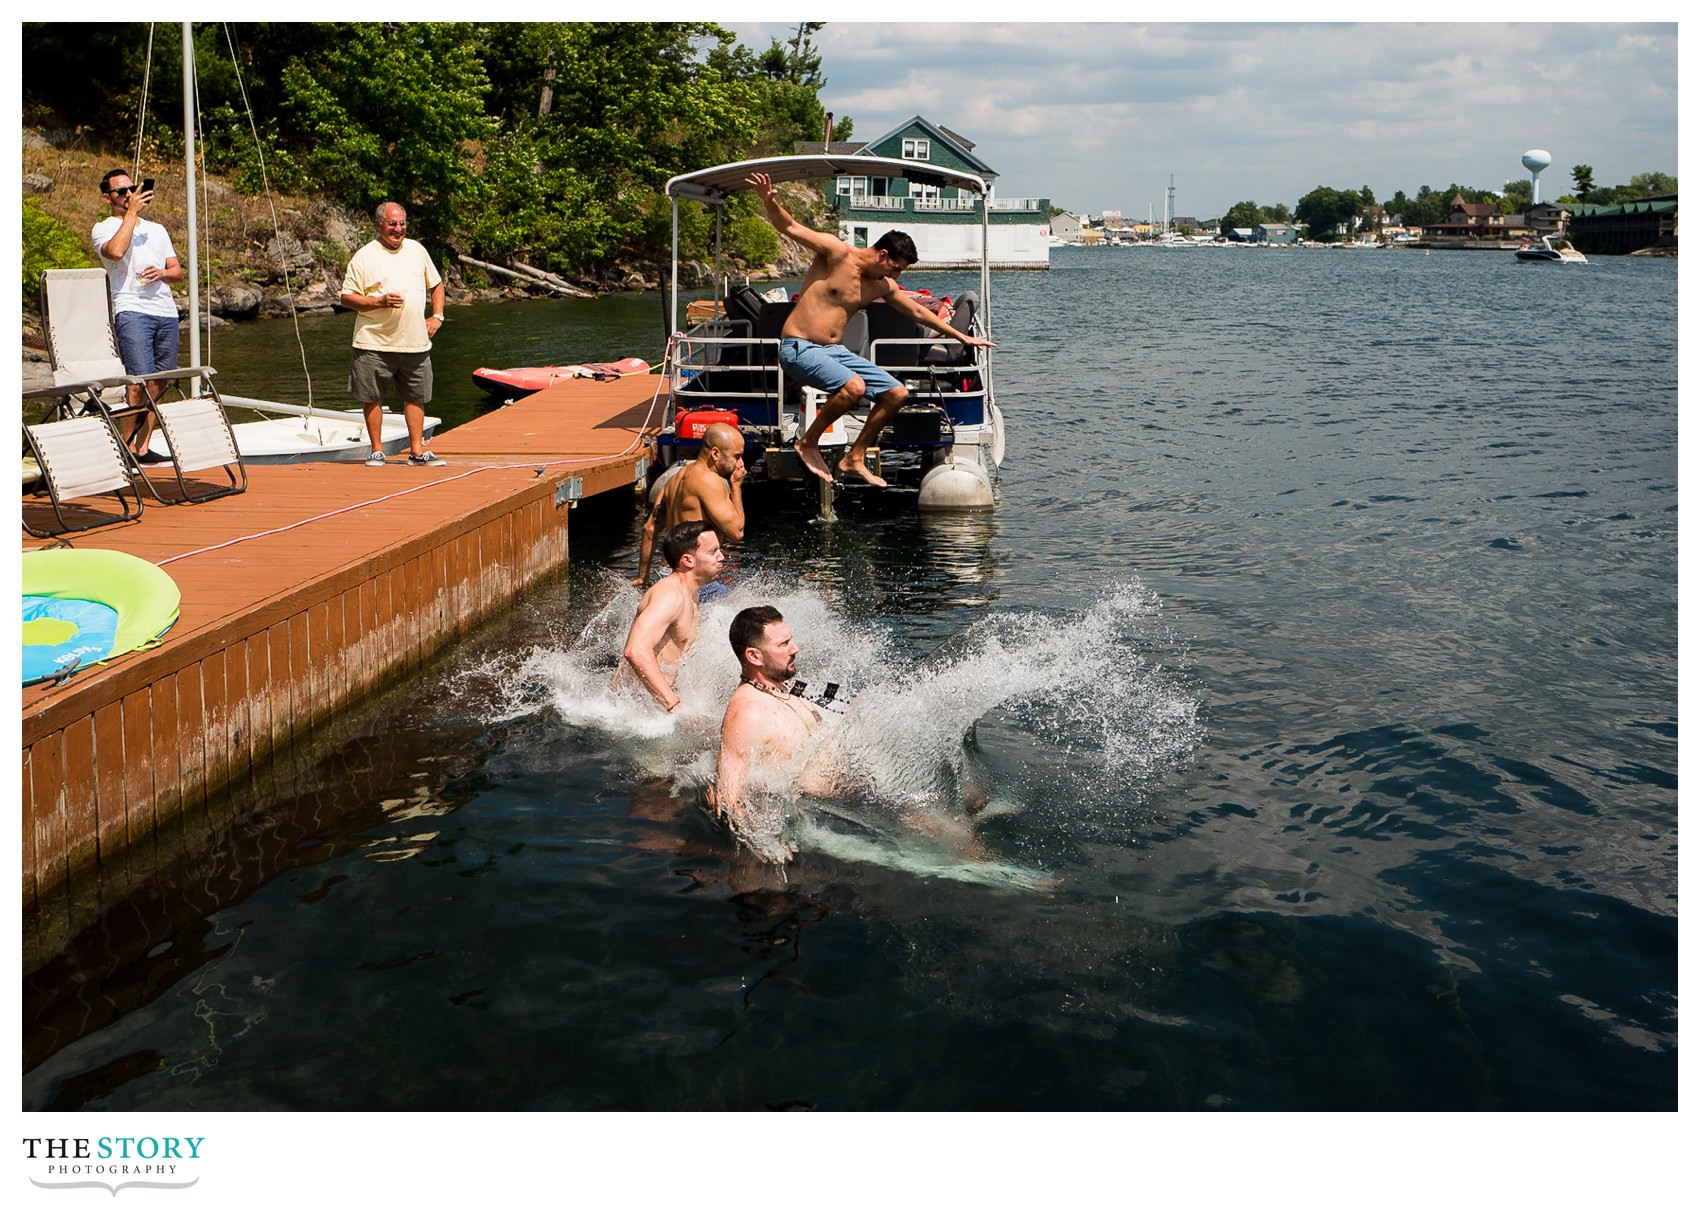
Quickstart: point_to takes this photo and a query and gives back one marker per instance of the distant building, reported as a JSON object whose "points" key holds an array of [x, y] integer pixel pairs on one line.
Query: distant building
{"points": [[1065, 228], [1276, 233], [944, 222], [1470, 223], [1647, 223]]}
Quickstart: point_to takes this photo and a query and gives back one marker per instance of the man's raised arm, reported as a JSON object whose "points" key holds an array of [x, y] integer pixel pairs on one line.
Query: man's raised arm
{"points": [[785, 223]]}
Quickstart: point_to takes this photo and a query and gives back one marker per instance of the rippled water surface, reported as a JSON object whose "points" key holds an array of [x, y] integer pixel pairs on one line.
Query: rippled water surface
{"points": [[1319, 665]]}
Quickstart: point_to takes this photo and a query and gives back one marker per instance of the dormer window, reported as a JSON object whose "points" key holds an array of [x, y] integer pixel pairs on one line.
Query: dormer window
{"points": [[917, 149]]}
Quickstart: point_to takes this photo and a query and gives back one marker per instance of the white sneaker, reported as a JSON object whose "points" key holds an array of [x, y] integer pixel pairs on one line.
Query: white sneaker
{"points": [[427, 460], [375, 459]]}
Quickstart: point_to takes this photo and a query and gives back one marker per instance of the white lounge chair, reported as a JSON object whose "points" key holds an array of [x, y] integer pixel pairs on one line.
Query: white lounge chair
{"points": [[77, 308], [80, 458]]}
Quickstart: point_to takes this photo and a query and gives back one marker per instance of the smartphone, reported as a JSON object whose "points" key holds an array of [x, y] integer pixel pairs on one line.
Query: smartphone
{"points": [[147, 185]]}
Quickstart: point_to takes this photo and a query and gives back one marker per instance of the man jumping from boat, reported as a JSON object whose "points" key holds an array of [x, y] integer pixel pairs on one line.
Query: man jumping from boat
{"points": [[709, 489], [666, 620], [841, 282]]}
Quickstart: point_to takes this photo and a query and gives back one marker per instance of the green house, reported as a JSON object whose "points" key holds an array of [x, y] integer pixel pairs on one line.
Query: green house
{"points": [[944, 222]]}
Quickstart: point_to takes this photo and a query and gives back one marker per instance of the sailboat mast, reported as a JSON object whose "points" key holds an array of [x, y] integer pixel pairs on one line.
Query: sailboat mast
{"points": [[194, 228]]}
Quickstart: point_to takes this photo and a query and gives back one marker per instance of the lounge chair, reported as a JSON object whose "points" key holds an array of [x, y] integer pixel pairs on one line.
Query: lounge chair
{"points": [[79, 458], [77, 307]]}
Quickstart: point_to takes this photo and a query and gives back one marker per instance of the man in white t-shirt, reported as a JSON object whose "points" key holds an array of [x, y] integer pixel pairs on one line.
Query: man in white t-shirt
{"points": [[140, 265], [386, 285]]}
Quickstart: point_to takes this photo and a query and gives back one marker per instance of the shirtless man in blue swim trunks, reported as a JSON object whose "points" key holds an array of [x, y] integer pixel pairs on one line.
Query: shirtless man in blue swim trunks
{"points": [[841, 282]]}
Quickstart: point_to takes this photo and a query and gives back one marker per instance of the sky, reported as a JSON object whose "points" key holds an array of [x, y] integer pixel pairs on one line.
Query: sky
{"points": [[1098, 116]]}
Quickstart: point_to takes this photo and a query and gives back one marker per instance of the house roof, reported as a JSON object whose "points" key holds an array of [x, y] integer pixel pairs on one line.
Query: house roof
{"points": [[963, 147], [1641, 206]]}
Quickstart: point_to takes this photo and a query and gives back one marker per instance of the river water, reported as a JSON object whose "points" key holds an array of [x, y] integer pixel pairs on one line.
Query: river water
{"points": [[1319, 664]]}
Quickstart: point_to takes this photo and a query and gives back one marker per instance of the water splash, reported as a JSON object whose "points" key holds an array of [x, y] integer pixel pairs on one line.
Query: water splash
{"points": [[1059, 718]]}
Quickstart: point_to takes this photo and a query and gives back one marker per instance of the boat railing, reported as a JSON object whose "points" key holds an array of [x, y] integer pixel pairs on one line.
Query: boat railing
{"points": [[710, 368]]}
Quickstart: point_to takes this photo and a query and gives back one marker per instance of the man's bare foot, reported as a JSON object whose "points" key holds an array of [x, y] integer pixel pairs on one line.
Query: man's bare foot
{"points": [[854, 463], [811, 457]]}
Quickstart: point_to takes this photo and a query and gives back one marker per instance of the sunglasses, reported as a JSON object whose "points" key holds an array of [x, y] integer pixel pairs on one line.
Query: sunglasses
{"points": [[121, 190]]}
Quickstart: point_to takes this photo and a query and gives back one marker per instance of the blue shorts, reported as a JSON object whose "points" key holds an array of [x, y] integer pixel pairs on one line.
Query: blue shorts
{"points": [[146, 343], [830, 367]]}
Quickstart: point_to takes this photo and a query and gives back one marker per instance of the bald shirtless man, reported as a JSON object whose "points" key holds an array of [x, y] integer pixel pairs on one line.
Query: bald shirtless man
{"points": [[666, 620], [708, 489], [765, 726], [841, 282]]}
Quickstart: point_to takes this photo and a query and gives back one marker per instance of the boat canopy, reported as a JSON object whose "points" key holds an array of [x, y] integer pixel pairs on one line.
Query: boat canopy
{"points": [[717, 183]]}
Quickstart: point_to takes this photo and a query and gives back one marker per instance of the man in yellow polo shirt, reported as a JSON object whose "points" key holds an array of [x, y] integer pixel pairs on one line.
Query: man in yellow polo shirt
{"points": [[386, 286]]}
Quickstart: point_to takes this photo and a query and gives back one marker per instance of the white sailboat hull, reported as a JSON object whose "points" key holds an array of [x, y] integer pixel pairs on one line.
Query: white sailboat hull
{"points": [[309, 436]]}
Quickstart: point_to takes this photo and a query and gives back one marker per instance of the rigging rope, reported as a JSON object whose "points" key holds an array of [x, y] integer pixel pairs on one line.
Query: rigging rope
{"points": [[271, 204], [142, 112]]}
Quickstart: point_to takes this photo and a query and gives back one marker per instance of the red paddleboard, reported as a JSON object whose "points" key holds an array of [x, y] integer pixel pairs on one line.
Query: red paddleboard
{"points": [[516, 381]]}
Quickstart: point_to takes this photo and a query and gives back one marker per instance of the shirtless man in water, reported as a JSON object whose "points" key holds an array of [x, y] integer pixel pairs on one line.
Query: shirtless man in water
{"points": [[708, 489], [765, 726], [666, 620], [841, 282]]}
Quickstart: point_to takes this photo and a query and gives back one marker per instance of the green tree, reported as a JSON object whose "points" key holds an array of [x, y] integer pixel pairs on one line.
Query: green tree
{"points": [[1652, 185], [1279, 213], [1518, 196], [388, 112], [1583, 176], [48, 245], [1241, 214], [1324, 209]]}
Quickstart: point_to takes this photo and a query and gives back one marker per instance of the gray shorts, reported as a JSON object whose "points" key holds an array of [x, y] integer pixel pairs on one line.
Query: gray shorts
{"points": [[374, 375]]}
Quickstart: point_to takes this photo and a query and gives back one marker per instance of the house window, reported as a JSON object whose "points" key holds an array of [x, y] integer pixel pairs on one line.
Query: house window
{"points": [[859, 237], [917, 149], [853, 187]]}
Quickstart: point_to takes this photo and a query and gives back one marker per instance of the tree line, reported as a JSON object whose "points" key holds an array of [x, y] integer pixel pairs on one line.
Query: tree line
{"points": [[543, 142], [1324, 209]]}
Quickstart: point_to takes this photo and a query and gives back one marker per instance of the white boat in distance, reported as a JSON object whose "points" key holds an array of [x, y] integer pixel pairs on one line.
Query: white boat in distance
{"points": [[1546, 252]]}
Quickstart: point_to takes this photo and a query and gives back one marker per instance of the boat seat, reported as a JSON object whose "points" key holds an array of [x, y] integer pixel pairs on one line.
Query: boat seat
{"points": [[80, 458], [954, 353], [855, 337], [885, 322]]}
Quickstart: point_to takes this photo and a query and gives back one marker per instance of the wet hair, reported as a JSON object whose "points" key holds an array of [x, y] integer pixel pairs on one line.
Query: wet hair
{"points": [[898, 247], [681, 539], [106, 178], [748, 626]]}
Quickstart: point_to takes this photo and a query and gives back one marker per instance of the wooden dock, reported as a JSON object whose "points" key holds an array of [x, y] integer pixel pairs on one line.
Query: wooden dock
{"points": [[320, 584]]}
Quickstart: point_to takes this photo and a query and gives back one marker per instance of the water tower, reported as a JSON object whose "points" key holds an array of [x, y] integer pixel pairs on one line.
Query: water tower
{"points": [[1536, 159]]}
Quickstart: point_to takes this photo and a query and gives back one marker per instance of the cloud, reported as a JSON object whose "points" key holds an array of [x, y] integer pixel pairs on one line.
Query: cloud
{"points": [[1098, 115]]}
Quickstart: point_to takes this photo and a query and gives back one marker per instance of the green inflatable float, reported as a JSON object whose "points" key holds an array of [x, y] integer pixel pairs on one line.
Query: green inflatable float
{"points": [[83, 605]]}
